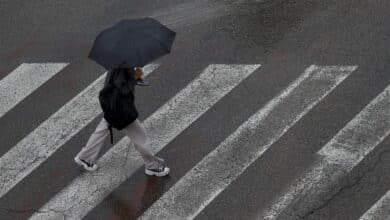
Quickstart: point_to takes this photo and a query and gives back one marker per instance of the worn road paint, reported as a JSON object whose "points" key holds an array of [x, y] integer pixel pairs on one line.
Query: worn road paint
{"points": [[191, 194], [380, 210], [121, 161], [194, 12], [337, 158], [23, 81], [49, 136]]}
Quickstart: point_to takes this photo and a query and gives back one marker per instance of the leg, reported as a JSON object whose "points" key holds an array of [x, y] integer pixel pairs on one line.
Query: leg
{"points": [[137, 134], [91, 150]]}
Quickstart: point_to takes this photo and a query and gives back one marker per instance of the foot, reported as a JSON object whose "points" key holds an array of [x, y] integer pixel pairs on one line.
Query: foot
{"points": [[143, 82], [85, 164], [159, 171]]}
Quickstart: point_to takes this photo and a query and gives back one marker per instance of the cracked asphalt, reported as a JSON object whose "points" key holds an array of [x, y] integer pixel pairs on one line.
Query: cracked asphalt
{"points": [[284, 36]]}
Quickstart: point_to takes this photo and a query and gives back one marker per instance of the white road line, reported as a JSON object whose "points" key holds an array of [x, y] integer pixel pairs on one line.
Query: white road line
{"points": [[380, 210], [49, 136], [337, 158], [23, 81], [191, 194], [121, 161], [194, 12]]}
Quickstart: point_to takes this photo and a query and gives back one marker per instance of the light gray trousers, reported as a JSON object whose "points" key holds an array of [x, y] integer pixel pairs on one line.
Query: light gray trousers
{"points": [[136, 133]]}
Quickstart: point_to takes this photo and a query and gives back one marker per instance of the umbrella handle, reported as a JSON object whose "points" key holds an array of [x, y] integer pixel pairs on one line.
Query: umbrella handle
{"points": [[142, 82]]}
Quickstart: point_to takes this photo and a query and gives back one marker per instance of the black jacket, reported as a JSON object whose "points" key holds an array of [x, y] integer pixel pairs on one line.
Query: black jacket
{"points": [[123, 79]]}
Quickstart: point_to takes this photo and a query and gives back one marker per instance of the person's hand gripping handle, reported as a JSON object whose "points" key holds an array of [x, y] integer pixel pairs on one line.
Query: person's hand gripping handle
{"points": [[138, 76]]}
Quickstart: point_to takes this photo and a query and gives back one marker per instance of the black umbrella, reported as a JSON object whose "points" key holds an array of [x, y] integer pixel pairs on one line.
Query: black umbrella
{"points": [[135, 42]]}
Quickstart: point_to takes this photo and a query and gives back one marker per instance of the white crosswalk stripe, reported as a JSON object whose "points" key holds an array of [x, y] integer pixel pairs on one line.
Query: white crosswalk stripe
{"points": [[380, 210], [121, 161], [218, 169], [338, 157], [49, 136], [23, 81]]}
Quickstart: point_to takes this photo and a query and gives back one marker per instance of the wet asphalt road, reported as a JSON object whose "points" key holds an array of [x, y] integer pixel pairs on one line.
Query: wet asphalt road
{"points": [[284, 36]]}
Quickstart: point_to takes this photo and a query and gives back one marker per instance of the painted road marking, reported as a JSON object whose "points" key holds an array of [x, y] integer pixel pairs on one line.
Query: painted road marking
{"points": [[339, 156], [24, 80], [195, 12], [380, 210], [49, 136], [121, 161], [192, 193]]}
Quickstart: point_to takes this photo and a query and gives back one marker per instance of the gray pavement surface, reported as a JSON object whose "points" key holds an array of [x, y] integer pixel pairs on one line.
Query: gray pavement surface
{"points": [[284, 36]]}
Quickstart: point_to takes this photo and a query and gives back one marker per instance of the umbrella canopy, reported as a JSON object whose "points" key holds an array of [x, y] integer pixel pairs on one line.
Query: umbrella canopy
{"points": [[135, 42]]}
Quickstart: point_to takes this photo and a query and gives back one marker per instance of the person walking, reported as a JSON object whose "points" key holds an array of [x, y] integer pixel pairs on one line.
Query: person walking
{"points": [[124, 79], [120, 48]]}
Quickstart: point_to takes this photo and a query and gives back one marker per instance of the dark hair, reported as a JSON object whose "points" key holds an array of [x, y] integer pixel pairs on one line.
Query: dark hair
{"points": [[124, 73], [123, 78]]}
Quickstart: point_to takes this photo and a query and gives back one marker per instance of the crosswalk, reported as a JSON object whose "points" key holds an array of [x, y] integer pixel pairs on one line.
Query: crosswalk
{"points": [[209, 177], [193, 192], [23, 158], [165, 124], [338, 157]]}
